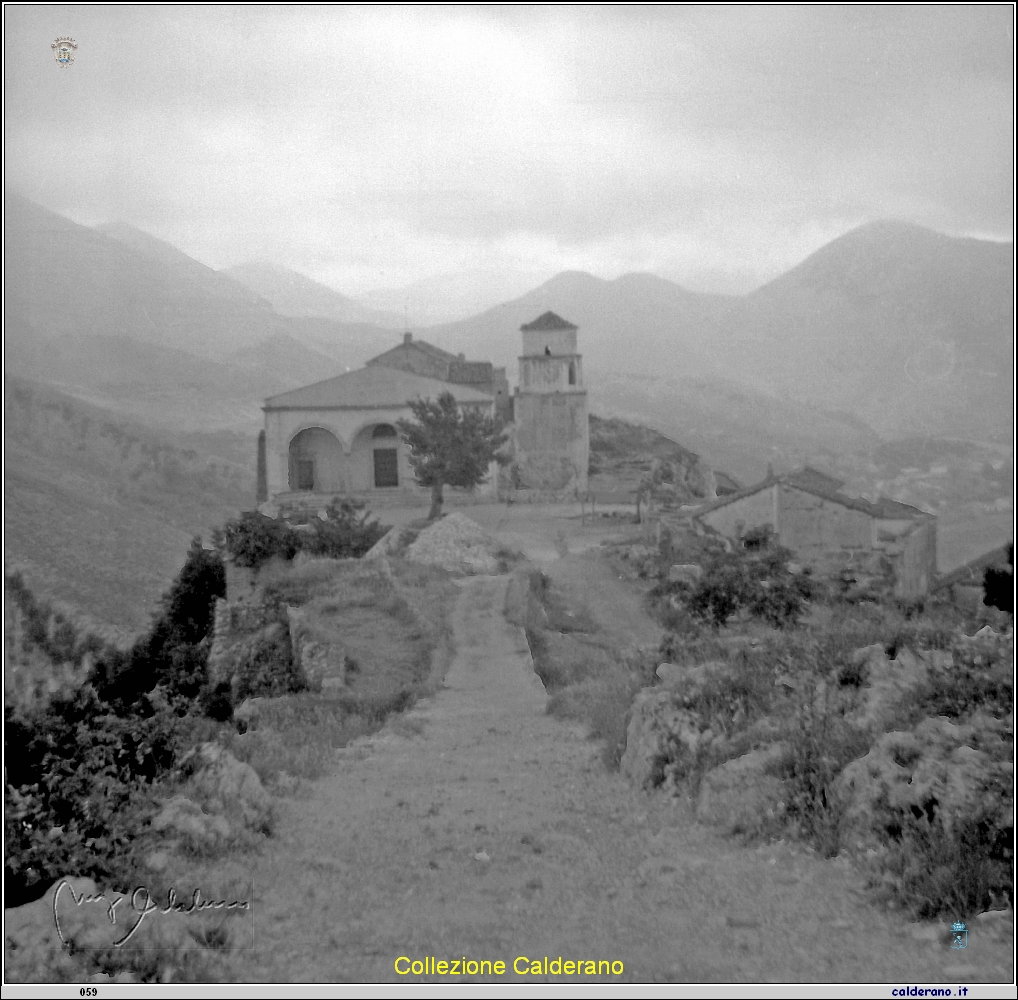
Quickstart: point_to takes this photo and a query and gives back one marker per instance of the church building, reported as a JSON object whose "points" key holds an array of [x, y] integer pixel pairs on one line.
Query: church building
{"points": [[338, 436]]}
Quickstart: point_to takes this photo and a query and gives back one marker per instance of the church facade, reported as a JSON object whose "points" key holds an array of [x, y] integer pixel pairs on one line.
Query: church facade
{"points": [[338, 436]]}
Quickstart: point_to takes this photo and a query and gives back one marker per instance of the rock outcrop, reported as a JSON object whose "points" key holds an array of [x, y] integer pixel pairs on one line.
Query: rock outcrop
{"points": [[745, 795], [458, 544], [938, 771]]}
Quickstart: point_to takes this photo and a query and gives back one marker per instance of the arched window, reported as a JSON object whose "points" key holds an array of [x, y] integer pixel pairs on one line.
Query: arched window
{"points": [[384, 431], [572, 373], [547, 352]]}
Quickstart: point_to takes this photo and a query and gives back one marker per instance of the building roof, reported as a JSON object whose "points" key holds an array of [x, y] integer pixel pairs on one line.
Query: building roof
{"points": [[826, 487], [421, 345], [807, 476], [548, 321], [972, 573], [372, 387]]}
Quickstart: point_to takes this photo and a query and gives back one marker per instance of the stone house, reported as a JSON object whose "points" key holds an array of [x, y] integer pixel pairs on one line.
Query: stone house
{"points": [[839, 536]]}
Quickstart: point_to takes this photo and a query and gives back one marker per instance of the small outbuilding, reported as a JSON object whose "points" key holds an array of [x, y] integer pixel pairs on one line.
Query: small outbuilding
{"points": [[839, 536]]}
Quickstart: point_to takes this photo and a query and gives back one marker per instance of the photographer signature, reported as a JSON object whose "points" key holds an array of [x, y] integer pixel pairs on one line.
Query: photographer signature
{"points": [[141, 905]]}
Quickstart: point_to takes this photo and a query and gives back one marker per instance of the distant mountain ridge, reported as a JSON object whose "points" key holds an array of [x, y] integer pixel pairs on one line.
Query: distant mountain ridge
{"points": [[65, 280], [294, 294], [891, 327]]}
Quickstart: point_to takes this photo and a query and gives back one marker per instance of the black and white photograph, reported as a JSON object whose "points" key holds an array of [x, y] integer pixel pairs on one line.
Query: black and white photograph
{"points": [[505, 495]]}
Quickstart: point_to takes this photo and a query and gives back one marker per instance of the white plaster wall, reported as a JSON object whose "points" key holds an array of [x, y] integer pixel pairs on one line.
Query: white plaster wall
{"points": [[347, 425]]}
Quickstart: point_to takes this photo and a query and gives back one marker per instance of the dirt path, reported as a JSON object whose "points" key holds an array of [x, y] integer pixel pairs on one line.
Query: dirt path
{"points": [[478, 826]]}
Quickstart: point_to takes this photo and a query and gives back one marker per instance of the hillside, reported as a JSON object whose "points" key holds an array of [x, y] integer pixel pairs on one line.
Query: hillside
{"points": [[67, 282], [294, 294], [623, 454], [906, 328], [99, 511]]}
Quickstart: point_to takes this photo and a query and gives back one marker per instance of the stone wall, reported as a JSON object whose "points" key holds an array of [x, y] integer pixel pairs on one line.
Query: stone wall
{"points": [[826, 534], [551, 441]]}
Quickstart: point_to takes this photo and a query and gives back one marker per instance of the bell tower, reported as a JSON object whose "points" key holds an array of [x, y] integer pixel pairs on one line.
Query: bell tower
{"points": [[552, 434]]}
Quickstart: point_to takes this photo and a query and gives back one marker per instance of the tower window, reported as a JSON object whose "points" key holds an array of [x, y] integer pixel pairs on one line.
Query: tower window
{"points": [[572, 373], [547, 352]]}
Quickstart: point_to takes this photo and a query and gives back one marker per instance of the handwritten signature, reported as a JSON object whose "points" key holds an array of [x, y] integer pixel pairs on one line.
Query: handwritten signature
{"points": [[141, 905]]}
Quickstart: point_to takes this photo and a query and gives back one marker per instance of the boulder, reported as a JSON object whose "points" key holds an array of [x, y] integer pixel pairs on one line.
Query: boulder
{"points": [[457, 544], [229, 788], [689, 682], [184, 817], [888, 687], [249, 711], [311, 655], [662, 740], [687, 573], [744, 795], [933, 772], [387, 545]]}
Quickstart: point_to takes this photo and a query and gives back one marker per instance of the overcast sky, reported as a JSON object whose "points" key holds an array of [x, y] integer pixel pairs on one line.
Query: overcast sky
{"points": [[370, 147]]}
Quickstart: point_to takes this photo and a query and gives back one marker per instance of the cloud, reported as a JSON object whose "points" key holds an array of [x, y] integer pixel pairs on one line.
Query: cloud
{"points": [[352, 142]]}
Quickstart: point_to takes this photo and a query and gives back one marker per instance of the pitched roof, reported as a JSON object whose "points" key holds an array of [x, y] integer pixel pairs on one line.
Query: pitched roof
{"points": [[374, 386], [548, 321], [422, 345], [972, 572], [826, 487], [807, 476]]}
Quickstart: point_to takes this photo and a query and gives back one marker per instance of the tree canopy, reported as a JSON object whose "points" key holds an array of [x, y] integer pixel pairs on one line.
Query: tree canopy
{"points": [[450, 447]]}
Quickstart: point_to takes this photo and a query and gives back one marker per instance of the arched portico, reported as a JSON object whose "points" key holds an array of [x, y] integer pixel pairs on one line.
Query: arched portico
{"points": [[316, 462], [378, 458]]}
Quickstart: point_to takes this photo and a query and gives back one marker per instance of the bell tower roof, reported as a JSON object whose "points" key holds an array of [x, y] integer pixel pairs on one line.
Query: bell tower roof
{"points": [[548, 321]]}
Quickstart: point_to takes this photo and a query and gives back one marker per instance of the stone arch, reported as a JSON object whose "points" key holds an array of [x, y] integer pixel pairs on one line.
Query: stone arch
{"points": [[316, 461], [378, 457]]}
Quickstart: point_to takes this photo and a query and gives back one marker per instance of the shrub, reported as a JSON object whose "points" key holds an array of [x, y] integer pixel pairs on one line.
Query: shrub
{"points": [[79, 789], [933, 870], [253, 539], [760, 584], [347, 534], [175, 651], [822, 744]]}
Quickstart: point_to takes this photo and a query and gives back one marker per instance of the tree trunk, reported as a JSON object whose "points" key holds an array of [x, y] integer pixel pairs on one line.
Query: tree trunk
{"points": [[436, 501]]}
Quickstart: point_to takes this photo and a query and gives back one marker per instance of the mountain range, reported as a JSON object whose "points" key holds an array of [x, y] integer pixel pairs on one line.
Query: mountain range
{"points": [[294, 294], [891, 331]]}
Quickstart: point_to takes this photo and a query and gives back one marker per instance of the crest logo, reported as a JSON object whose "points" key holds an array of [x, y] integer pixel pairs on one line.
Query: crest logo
{"points": [[960, 935], [63, 51]]}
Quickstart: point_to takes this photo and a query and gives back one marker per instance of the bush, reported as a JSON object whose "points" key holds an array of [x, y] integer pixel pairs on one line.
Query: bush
{"points": [[347, 534], [79, 789], [174, 653], [760, 584], [931, 870], [822, 744], [253, 539]]}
